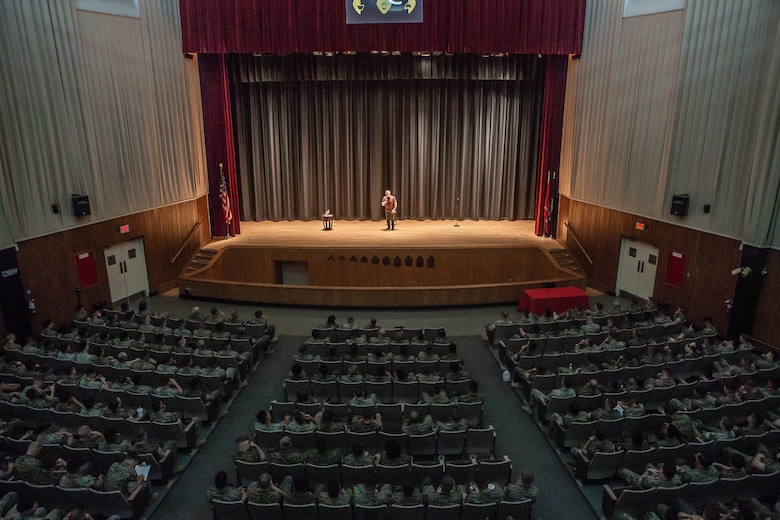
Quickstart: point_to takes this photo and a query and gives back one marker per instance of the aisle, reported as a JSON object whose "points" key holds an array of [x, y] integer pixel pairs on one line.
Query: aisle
{"points": [[560, 497]]}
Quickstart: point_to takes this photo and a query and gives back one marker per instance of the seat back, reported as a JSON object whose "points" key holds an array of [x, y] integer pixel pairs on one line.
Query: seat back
{"points": [[415, 512], [248, 472], [271, 511], [229, 510], [498, 471], [478, 511], [520, 510], [328, 512], [372, 512], [448, 512], [300, 511]]}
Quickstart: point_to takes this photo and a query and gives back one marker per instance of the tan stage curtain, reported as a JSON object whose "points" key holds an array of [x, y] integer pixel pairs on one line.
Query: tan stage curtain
{"points": [[95, 104], [679, 102], [448, 143]]}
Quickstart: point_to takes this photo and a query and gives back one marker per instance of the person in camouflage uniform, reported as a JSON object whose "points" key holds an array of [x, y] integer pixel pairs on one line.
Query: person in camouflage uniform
{"points": [[264, 491], [484, 492], [445, 494], [417, 425], [523, 488], [296, 492], [27, 466], [247, 451], [285, 453], [121, 476], [408, 495], [335, 495], [373, 495], [322, 456], [358, 457], [28, 509], [221, 490], [78, 476], [140, 445]]}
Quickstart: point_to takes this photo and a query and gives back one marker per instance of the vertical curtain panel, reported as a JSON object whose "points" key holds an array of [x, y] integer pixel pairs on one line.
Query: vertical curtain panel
{"points": [[447, 149]]}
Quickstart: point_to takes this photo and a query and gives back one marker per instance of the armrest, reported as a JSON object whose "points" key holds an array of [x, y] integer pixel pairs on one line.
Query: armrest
{"points": [[581, 463], [608, 501]]}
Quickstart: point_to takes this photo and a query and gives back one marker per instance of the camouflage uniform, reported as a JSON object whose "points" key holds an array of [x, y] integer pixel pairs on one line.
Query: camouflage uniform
{"points": [[517, 492], [76, 481], [27, 467], [260, 495], [399, 498], [226, 494], [372, 496], [434, 498], [343, 498], [323, 459], [486, 495], [120, 477]]}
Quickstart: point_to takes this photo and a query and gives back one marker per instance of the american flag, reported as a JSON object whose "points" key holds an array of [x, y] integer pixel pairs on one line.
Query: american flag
{"points": [[224, 198]]}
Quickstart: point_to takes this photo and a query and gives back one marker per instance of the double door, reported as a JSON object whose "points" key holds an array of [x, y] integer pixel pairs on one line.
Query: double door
{"points": [[637, 268], [126, 266]]}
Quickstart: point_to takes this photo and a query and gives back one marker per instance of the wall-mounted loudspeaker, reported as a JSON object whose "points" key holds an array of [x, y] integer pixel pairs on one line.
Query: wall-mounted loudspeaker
{"points": [[81, 205], [680, 205]]}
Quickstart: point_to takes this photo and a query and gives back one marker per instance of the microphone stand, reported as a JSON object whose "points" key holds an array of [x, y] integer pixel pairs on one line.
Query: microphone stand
{"points": [[457, 211]]}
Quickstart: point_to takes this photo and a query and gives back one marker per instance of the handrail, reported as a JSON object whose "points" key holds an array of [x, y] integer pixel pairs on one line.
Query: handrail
{"points": [[184, 243], [577, 240]]}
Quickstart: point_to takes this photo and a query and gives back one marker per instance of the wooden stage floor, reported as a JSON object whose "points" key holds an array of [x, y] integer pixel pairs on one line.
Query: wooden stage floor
{"points": [[373, 234]]}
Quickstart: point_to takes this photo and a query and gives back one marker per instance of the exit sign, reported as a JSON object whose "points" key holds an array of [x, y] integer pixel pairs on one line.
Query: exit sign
{"points": [[124, 228], [640, 226]]}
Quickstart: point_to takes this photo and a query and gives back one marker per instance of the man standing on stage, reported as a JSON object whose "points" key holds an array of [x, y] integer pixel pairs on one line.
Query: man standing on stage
{"points": [[390, 204]]}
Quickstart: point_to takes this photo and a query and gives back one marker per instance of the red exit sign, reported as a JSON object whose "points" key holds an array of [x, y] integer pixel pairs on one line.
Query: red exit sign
{"points": [[640, 226], [124, 228]]}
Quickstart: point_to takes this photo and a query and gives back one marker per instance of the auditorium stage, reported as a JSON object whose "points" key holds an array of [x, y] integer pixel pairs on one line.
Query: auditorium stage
{"points": [[407, 233], [362, 264]]}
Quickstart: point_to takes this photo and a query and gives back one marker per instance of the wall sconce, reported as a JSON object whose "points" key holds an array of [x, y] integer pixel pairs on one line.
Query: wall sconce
{"points": [[744, 271]]}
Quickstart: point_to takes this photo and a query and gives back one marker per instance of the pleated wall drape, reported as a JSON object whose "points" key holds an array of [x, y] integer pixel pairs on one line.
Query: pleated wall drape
{"points": [[679, 102], [96, 104]]}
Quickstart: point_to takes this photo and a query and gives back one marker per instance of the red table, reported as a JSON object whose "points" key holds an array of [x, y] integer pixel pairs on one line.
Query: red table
{"points": [[557, 299]]}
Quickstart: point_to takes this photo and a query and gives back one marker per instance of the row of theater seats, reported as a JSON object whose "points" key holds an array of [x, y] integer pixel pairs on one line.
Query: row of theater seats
{"points": [[578, 432], [476, 442], [363, 366], [385, 391], [393, 414], [97, 503], [336, 335], [605, 466], [637, 502], [245, 511], [184, 435], [658, 334], [552, 361]]}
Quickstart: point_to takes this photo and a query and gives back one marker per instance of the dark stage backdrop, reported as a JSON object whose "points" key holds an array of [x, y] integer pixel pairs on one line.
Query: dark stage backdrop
{"points": [[451, 136]]}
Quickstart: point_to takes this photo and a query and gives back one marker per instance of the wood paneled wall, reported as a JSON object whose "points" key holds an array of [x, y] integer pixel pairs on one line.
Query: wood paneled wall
{"points": [[766, 325], [340, 277], [708, 282], [48, 264]]}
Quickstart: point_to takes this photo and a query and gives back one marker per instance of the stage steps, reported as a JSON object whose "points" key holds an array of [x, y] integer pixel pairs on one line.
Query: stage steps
{"points": [[565, 261], [201, 259]]}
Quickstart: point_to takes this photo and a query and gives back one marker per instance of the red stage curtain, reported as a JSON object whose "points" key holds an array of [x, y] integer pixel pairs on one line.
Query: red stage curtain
{"points": [[218, 130], [550, 143], [464, 26]]}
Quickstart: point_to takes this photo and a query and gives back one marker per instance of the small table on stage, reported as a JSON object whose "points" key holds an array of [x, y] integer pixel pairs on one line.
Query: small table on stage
{"points": [[327, 221], [557, 299]]}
